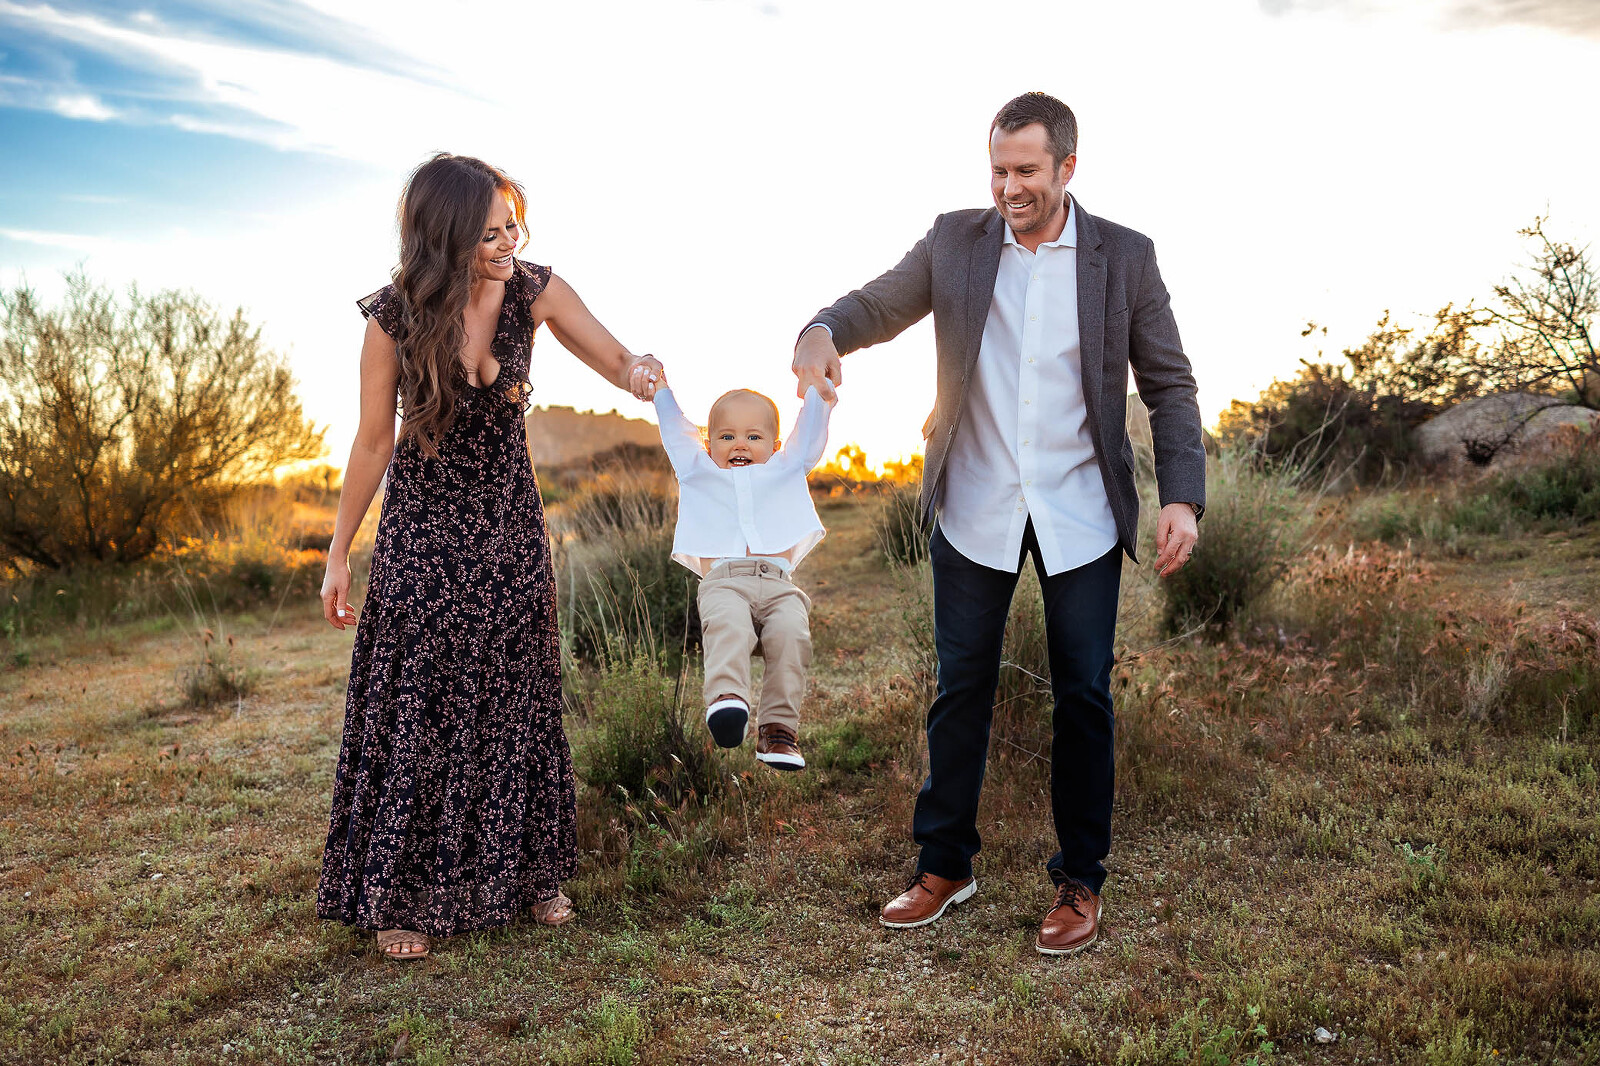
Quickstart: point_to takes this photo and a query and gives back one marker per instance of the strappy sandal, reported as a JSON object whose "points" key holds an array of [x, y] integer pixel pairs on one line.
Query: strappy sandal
{"points": [[388, 938], [557, 910]]}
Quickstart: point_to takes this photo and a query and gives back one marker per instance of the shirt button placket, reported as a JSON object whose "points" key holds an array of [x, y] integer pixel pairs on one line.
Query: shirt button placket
{"points": [[1028, 386]]}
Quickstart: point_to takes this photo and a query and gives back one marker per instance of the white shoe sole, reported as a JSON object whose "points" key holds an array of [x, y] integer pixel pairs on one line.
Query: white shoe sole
{"points": [[727, 720], [1041, 949], [961, 895], [782, 762]]}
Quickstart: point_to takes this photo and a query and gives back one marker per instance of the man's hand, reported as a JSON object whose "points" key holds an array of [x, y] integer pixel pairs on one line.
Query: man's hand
{"points": [[816, 362], [1176, 534]]}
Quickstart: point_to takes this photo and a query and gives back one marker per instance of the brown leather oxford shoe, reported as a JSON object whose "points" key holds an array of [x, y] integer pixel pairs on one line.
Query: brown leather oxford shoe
{"points": [[926, 898], [1073, 921]]}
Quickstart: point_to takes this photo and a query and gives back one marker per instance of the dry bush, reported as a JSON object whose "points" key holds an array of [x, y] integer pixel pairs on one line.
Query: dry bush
{"points": [[1418, 648], [1256, 523], [117, 419]]}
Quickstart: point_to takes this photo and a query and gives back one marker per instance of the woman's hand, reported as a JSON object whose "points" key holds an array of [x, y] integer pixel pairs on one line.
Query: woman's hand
{"points": [[336, 594], [645, 376]]}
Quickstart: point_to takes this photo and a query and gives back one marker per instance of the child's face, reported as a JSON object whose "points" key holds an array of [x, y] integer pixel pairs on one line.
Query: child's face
{"points": [[741, 432]]}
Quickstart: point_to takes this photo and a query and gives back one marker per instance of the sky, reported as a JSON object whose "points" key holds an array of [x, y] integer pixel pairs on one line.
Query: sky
{"points": [[709, 173]]}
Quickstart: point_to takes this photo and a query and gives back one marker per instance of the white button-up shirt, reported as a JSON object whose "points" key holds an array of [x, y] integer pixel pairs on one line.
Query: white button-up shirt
{"points": [[1023, 449], [763, 509]]}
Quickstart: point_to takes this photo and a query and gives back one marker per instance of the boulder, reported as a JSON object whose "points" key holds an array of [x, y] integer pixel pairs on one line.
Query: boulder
{"points": [[1488, 429]]}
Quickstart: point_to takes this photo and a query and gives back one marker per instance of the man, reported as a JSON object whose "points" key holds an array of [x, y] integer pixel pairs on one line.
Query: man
{"points": [[1040, 310]]}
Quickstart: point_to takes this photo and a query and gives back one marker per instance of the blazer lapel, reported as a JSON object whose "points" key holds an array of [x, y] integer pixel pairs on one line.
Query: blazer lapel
{"points": [[982, 268], [1091, 314]]}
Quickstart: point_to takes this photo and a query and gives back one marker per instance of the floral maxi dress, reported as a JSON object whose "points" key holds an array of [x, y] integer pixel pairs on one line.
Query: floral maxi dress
{"points": [[453, 805]]}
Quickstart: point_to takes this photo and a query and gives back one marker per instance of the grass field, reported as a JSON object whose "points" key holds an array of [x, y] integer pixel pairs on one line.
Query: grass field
{"points": [[1372, 812]]}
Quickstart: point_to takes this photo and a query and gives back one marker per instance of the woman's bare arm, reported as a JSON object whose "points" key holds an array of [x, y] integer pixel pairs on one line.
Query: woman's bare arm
{"points": [[580, 333], [369, 459]]}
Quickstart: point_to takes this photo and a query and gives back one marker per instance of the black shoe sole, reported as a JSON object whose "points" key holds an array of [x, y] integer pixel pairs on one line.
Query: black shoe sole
{"points": [[727, 725]]}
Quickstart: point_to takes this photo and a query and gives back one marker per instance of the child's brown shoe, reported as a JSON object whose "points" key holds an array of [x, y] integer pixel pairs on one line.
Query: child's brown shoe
{"points": [[777, 747]]}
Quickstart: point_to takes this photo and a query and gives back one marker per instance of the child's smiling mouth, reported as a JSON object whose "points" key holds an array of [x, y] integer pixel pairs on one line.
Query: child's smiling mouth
{"points": [[739, 460]]}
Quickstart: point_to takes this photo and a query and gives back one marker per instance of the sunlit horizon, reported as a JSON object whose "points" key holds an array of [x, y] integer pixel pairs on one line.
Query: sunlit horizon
{"points": [[708, 174]]}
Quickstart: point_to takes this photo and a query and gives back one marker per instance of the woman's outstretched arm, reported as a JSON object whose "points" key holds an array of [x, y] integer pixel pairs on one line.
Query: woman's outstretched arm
{"points": [[369, 458], [580, 333]]}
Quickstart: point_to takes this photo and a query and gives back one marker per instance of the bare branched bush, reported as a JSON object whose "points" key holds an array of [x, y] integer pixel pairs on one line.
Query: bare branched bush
{"points": [[117, 417], [1547, 316]]}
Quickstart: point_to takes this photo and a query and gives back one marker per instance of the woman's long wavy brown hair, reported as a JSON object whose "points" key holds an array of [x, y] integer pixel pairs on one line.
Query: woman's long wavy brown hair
{"points": [[441, 222]]}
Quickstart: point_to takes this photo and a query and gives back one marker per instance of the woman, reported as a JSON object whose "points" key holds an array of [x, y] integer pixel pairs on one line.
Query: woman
{"points": [[453, 803]]}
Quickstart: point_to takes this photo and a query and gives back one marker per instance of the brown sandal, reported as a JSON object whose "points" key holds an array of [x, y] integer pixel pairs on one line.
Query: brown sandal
{"points": [[557, 910], [389, 938]]}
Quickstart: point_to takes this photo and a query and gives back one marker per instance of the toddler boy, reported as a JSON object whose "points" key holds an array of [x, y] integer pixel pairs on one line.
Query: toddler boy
{"points": [[745, 520]]}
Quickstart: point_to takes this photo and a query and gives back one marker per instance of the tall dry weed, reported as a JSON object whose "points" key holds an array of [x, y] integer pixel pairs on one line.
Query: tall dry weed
{"points": [[618, 583]]}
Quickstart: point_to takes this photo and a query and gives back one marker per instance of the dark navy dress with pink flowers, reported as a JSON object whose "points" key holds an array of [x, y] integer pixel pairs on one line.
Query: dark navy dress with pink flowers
{"points": [[453, 806]]}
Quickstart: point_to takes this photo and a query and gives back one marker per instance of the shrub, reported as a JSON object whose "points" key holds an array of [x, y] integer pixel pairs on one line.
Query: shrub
{"points": [[664, 806], [641, 737], [1255, 525], [1560, 487], [1563, 487], [254, 557], [117, 420]]}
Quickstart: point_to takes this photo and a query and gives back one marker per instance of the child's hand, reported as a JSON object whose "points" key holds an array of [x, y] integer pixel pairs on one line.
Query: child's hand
{"points": [[645, 376]]}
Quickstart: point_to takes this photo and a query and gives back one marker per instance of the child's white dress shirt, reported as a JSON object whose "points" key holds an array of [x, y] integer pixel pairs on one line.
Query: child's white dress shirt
{"points": [[762, 509]]}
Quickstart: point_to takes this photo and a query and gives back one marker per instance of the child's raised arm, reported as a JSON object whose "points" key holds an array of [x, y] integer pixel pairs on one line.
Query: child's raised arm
{"points": [[809, 437], [679, 436]]}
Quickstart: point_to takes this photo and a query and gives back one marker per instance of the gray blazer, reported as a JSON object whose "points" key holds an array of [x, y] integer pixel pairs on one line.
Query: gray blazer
{"points": [[1124, 321]]}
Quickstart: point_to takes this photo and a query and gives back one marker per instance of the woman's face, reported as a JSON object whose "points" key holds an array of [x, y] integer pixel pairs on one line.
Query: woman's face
{"points": [[501, 235]]}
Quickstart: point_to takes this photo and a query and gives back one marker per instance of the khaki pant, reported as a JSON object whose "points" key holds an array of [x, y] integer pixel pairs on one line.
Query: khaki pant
{"points": [[742, 603]]}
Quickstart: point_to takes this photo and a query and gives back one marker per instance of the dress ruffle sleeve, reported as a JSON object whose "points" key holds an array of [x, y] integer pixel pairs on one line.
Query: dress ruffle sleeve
{"points": [[384, 307], [534, 278]]}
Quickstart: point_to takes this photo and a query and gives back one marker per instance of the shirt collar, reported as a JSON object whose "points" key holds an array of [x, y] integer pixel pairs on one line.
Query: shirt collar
{"points": [[1069, 232]]}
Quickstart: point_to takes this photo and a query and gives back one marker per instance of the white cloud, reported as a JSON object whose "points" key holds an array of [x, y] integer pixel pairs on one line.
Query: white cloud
{"points": [[81, 105], [72, 242]]}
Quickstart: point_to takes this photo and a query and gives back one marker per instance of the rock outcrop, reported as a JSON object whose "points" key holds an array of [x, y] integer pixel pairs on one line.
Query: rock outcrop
{"points": [[561, 435], [1488, 429]]}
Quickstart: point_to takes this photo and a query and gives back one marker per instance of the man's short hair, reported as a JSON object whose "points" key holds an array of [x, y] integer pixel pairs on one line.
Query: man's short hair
{"points": [[1060, 127]]}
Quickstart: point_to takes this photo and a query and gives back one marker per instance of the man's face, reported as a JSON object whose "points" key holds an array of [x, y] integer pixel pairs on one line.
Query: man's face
{"points": [[741, 432], [1030, 191]]}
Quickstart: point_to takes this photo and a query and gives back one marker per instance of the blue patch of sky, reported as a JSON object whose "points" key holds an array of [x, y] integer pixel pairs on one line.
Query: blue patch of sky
{"points": [[125, 181], [137, 173], [280, 25]]}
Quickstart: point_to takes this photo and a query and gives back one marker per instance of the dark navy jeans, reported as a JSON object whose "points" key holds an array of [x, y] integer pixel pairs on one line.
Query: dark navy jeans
{"points": [[970, 604]]}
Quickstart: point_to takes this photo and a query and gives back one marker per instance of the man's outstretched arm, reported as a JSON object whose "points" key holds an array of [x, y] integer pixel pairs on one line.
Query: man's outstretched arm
{"points": [[878, 311]]}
